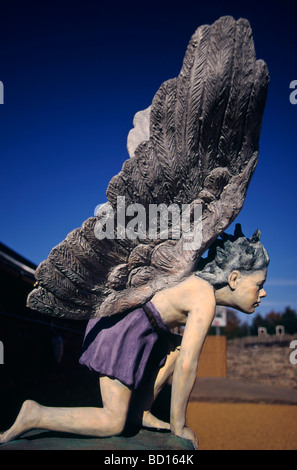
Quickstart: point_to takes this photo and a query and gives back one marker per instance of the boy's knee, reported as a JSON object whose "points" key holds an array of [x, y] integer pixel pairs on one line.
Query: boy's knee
{"points": [[118, 424]]}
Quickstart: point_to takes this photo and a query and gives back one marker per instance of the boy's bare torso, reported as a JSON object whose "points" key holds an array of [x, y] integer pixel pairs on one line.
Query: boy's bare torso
{"points": [[175, 303]]}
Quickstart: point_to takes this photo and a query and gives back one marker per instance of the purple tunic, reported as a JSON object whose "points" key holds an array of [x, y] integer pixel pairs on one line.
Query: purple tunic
{"points": [[128, 347]]}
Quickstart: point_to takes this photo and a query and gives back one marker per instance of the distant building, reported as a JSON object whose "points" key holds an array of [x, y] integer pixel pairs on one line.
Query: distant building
{"points": [[262, 331], [39, 354], [279, 330]]}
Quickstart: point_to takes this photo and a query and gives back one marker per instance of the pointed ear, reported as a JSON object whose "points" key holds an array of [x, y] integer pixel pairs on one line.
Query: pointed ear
{"points": [[233, 278], [256, 236]]}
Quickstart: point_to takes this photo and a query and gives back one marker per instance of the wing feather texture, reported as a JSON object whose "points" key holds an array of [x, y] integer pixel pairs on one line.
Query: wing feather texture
{"points": [[202, 147]]}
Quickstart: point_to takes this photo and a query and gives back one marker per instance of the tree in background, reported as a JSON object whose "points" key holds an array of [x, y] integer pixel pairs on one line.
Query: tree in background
{"points": [[273, 319], [236, 329], [289, 318], [232, 330]]}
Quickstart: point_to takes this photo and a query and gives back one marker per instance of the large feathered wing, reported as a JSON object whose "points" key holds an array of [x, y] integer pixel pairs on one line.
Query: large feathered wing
{"points": [[200, 148]]}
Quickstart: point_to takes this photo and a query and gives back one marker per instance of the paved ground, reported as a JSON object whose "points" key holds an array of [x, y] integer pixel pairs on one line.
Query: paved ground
{"points": [[244, 426], [228, 414], [234, 391]]}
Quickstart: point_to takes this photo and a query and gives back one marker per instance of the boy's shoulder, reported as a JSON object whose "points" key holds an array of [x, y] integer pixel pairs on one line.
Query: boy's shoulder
{"points": [[198, 291], [198, 283]]}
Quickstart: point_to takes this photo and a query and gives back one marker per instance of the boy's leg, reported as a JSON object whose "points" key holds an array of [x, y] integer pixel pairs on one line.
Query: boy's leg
{"points": [[155, 385], [163, 375], [101, 422]]}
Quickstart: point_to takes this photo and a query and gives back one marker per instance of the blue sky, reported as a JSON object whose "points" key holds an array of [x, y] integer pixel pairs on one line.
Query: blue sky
{"points": [[74, 75]]}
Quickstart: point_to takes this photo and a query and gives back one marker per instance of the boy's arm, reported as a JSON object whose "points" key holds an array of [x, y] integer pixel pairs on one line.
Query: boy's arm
{"points": [[199, 320]]}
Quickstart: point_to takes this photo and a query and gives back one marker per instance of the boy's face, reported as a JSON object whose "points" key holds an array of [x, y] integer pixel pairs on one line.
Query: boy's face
{"points": [[248, 290]]}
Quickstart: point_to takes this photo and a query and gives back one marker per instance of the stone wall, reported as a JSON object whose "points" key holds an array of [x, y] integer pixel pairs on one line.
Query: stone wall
{"points": [[262, 360]]}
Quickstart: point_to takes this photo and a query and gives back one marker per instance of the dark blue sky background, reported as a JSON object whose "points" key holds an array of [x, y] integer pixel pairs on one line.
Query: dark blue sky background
{"points": [[74, 75]]}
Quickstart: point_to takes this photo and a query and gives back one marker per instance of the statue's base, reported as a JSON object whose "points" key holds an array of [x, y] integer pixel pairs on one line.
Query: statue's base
{"points": [[143, 439]]}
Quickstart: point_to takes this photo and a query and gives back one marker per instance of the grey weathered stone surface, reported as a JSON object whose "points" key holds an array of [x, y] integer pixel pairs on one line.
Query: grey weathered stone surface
{"points": [[143, 440]]}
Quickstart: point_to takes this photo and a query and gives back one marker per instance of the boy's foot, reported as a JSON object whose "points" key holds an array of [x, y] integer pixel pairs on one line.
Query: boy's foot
{"points": [[27, 419], [150, 421]]}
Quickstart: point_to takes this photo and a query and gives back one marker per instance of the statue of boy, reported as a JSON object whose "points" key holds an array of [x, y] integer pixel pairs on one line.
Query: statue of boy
{"points": [[197, 143], [233, 275]]}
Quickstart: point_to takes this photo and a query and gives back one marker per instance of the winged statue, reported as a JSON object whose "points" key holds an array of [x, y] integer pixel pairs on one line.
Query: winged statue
{"points": [[197, 144]]}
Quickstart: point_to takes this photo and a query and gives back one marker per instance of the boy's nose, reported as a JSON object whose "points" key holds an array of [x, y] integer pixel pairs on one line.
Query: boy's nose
{"points": [[263, 293]]}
